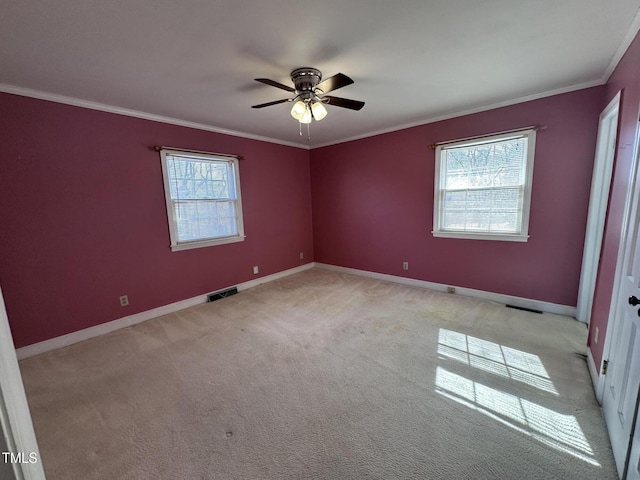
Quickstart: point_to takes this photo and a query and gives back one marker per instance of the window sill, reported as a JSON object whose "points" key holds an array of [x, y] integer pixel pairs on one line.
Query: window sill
{"points": [[502, 237], [206, 243]]}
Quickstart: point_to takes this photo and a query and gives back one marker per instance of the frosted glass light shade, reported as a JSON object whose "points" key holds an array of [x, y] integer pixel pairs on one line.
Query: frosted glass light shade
{"points": [[306, 116], [298, 110], [319, 112]]}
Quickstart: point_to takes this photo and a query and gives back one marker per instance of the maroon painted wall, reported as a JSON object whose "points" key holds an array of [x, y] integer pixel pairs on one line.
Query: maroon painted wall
{"points": [[625, 78], [83, 220], [373, 203], [83, 217]]}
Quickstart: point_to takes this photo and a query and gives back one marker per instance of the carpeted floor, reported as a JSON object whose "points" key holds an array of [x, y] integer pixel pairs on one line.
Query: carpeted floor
{"points": [[322, 375]]}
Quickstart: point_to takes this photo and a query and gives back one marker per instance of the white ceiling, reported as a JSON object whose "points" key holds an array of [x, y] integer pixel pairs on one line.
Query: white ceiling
{"points": [[413, 61]]}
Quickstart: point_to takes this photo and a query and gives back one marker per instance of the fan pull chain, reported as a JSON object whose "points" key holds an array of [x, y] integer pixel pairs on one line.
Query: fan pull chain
{"points": [[308, 130]]}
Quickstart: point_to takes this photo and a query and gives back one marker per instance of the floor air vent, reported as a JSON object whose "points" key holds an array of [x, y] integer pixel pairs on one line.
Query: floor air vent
{"points": [[212, 297]]}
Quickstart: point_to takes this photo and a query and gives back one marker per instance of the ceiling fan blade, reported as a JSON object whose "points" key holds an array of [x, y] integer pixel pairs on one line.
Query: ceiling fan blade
{"points": [[339, 80], [262, 105], [343, 102], [273, 83]]}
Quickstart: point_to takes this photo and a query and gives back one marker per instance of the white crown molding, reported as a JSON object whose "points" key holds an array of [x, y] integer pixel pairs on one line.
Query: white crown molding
{"points": [[461, 113], [467, 292], [76, 102], [104, 328], [26, 92], [622, 48]]}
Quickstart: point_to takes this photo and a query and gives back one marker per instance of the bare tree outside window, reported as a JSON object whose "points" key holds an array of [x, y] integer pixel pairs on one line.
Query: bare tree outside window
{"points": [[203, 200], [482, 187]]}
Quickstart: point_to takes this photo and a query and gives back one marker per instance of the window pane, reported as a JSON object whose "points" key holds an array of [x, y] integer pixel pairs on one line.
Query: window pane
{"points": [[482, 186], [498, 164], [197, 220], [199, 179], [487, 210], [202, 191]]}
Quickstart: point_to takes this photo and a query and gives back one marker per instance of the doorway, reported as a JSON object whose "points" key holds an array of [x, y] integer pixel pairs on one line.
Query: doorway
{"points": [[598, 200]]}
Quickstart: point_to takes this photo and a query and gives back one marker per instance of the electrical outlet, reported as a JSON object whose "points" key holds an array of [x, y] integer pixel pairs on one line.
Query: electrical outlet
{"points": [[595, 337], [301, 255], [124, 300], [255, 270], [451, 290], [405, 265]]}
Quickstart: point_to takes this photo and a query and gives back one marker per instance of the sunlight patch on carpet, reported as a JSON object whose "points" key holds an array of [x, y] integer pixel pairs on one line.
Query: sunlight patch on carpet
{"points": [[559, 431], [495, 358]]}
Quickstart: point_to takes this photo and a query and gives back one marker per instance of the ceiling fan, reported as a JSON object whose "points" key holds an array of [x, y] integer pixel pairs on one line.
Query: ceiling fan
{"points": [[310, 94]]}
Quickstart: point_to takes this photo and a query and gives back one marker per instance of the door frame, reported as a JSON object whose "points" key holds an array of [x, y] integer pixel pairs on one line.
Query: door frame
{"points": [[598, 201], [14, 410]]}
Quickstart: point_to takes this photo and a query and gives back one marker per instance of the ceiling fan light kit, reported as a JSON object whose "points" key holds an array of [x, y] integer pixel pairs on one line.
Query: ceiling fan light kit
{"points": [[310, 94]]}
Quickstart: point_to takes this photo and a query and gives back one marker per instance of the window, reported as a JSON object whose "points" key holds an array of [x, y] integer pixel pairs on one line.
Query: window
{"points": [[483, 187], [203, 199]]}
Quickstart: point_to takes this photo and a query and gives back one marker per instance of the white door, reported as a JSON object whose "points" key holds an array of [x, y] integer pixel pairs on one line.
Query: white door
{"points": [[15, 419], [623, 373], [623, 376], [598, 199], [634, 455]]}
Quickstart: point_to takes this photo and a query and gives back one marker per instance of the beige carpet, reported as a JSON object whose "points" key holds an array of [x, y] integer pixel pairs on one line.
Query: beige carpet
{"points": [[323, 375]]}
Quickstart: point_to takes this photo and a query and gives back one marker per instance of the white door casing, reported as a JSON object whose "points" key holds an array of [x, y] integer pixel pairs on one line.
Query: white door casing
{"points": [[598, 199]]}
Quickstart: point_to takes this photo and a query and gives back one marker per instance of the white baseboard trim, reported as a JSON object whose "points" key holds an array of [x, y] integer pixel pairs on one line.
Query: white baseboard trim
{"points": [[97, 330], [467, 292], [274, 276], [597, 380]]}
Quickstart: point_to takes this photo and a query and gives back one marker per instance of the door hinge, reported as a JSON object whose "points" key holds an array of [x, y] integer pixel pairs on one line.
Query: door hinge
{"points": [[605, 366]]}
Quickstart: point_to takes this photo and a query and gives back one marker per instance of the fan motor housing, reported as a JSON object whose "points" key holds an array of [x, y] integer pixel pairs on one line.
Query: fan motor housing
{"points": [[306, 78]]}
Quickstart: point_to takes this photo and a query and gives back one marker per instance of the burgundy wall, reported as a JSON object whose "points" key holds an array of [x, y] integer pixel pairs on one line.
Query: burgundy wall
{"points": [[625, 78], [83, 217], [373, 203]]}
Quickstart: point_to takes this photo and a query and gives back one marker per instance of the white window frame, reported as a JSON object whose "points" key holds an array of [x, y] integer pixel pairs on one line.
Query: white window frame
{"points": [[177, 245], [523, 234]]}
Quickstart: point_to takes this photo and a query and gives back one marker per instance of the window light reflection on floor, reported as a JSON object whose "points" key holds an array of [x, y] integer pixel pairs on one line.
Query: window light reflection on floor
{"points": [[561, 432], [495, 358]]}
